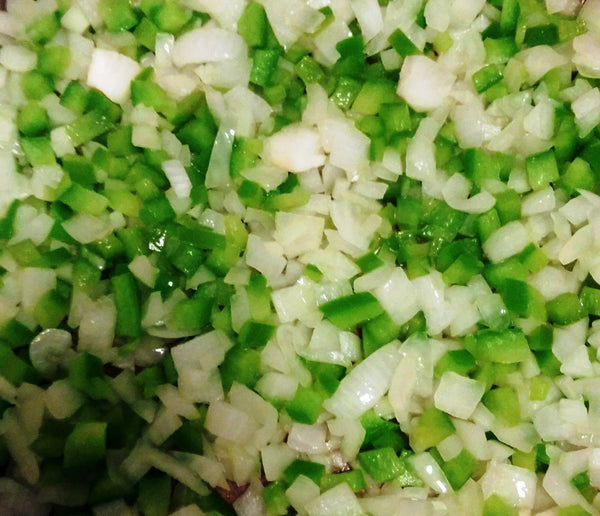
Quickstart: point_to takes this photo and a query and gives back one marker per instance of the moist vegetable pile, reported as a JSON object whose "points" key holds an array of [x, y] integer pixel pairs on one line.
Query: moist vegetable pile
{"points": [[326, 257]]}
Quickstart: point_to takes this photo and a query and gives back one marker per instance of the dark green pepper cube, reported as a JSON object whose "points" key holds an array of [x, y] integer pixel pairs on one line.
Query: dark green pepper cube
{"points": [[309, 70], [83, 368], [499, 50], [88, 127], [150, 379], [312, 470], [375, 427], [32, 119], [542, 169], [509, 16], [38, 150], [151, 94], [191, 313], [54, 60], [408, 213], [15, 369], [533, 258], [459, 469], [326, 377], [36, 85], [591, 153], [86, 445], [448, 253], [346, 91], [458, 360], [7, 223], [80, 170], [541, 338], [462, 269], [504, 404], [382, 464], [504, 347], [590, 298], [170, 17], [74, 97], [52, 308], [275, 497], [189, 436], [355, 480], [264, 64], [84, 200], [402, 44], [16, 334], [44, 28], [100, 103], [377, 332], [432, 428], [118, 15], [396, 118], [373, 94], [108, 487], [251, 194], [187, 258], [242, 366], [305, 406], [145, 33], [486, 77], [255, 334], [508, 206], [369, 262], [578, 176], [522, 299], [157, 211], [348, 311], [512, 268], [253, 25], [127, 303], [541, 35], [549, 365], [494, 505], [487, 223], [199, 134], [565, 309]]}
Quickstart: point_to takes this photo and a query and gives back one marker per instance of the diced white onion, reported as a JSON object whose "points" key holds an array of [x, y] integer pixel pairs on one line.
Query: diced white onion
{"points": [[112, 73], [337, 500], [458, 395], [424, 84], [514, 484], [177, 175], [362, 388], [506, 241], [207, 44]]}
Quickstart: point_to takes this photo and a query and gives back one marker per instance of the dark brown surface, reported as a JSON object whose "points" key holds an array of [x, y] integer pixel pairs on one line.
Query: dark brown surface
{"points": [[3, 5]]}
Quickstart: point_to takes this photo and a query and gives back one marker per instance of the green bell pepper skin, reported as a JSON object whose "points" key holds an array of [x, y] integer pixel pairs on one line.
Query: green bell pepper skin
{"points": [[349, 311]]}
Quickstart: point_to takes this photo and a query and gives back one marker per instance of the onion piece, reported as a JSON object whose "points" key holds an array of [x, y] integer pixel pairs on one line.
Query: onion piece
{"points": [[424, 83], [363, 387]]}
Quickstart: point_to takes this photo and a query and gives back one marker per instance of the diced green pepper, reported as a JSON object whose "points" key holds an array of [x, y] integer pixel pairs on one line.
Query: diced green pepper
{"points": [[127, 304], [541, 169], [504, 404], [432, 428], [312, 470], [349, 311], [382, 464], [459, 469], [505, 347], [565, 309], [85, 445]]}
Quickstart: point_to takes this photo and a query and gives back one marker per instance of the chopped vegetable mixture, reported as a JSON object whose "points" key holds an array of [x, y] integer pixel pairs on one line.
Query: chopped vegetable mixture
{"points": [[317, 257]]}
